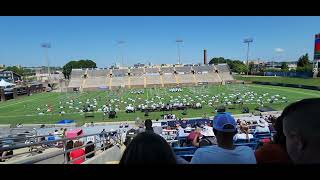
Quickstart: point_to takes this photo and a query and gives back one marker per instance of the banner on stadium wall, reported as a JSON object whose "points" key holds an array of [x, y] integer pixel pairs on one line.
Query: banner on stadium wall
{"points": [[290, 74], [317, 47]]}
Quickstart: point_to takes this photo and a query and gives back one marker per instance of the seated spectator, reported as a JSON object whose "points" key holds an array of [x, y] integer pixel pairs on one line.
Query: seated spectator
{"points": [[148, 126], [225, 152], [204, 137], [130, 135], [77, 153], [244, 133], [191, 136], [301, 125], [275, 151], [262, 126], [148, 148], [157, 128], [69, 146], [180, 130], [4, 154], [89, 149]]}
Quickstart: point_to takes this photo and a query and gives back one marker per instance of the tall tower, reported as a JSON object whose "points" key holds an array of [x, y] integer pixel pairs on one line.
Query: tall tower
{"points": [[204, 56]]}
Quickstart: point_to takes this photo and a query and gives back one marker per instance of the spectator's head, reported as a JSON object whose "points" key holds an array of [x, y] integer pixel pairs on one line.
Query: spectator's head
{"points": [[148, 148], [69, 145], [279, 137], [77, 144], [148, 123], [225, 127], [90, 147], [56, 130], [244, 127], [301, 125]]}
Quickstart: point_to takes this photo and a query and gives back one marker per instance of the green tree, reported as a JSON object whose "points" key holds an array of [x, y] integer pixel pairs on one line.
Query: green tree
{"points": [[303, 61], [251, 67], [15, 69], [67, 68], [284, 66]]}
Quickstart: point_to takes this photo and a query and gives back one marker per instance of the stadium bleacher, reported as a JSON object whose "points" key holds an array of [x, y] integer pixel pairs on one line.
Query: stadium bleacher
{"points": [[119, 72], [167, 70], [152, 71], [136, 81], [201, 69], [98, 72], [153, 80], [183, 69], [169, 79], [185, 78], [136, 71], [119, 81], [150, 77]]}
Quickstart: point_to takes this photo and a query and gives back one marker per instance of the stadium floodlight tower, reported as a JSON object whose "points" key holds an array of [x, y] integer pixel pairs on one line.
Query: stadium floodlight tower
{"points": [[120, 44], [46, 46], [179, 41], [248, 41]]}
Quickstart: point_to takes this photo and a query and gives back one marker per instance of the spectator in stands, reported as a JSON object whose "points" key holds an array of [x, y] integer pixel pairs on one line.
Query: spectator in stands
{"points": [[244, 133], [275, 151], [262, 126], [148, 148], [148, 126], [191, 135], [157, 128], [225, 152], [74, 154], [301, 125], [56, 134], [69, 146], [90, 148], [204, 137]]}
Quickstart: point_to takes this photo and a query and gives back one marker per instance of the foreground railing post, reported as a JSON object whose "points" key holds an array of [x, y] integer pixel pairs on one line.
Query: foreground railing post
{"points": [[65, 152]]}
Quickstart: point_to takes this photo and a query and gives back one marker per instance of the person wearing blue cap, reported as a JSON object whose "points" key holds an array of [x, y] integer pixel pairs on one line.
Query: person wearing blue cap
{"points": [[224, 127]]}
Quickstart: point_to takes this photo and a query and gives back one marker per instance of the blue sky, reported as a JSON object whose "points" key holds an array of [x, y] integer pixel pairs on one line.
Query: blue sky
{"points": [[152, 39]]}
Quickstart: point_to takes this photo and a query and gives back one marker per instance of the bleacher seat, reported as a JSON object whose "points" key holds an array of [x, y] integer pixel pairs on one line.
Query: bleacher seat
{"points": [[266, 135], [184, 150], [252, 145], [167, 70], [184, 69], [119, 72]]}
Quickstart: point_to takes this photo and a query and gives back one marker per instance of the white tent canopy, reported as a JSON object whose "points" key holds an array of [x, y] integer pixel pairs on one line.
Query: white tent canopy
{"points": [[4, 83]]}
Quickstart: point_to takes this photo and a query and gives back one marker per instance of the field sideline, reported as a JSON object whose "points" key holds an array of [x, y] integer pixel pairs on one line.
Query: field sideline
{"points": [[25, 109]]}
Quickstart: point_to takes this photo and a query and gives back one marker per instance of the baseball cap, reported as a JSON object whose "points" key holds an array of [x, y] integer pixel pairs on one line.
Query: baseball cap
{"points": [[221, 120]]}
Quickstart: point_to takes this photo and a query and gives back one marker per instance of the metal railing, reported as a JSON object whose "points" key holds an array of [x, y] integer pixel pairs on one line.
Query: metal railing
{"points": [[103, 139]]}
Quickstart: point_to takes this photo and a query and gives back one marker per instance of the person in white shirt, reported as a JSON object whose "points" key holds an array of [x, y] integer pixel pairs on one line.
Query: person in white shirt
{"points": [[244, 132], [262, 127], [225, 152]]}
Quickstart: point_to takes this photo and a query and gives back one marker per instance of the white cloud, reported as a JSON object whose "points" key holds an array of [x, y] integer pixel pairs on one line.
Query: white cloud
{"points": [[279, 50]]}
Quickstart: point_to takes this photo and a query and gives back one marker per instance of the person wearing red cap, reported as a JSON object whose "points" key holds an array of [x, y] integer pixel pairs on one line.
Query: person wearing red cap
{"points": [[224, 127]]}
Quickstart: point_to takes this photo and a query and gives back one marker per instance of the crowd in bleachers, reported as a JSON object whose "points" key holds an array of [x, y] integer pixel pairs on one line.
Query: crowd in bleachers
{"points": [[290, 138]]}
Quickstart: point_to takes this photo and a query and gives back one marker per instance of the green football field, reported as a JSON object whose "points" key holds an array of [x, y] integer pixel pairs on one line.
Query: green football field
{"points": [[287, 80], [33, 109]]}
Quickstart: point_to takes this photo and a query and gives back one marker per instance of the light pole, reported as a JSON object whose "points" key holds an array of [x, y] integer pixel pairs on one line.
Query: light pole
{"points": [[46, 46], [178, 41], [121, 50], [248, 41]]}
